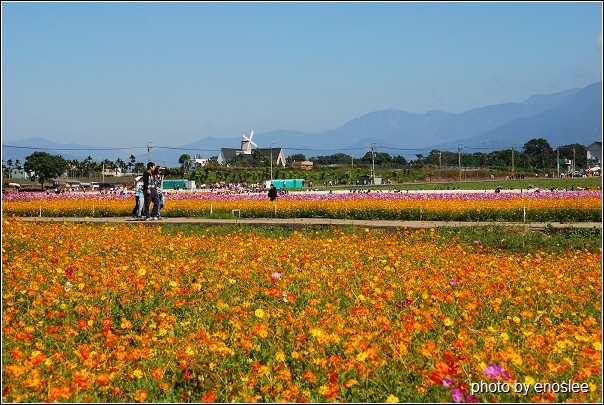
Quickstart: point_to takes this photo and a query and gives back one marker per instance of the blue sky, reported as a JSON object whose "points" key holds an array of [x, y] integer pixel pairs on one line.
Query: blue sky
{"points": [[124, 74]]}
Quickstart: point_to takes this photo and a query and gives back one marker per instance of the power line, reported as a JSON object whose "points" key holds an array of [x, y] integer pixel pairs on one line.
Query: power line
{"points": [[384, 148], [325, 150], [80, 149]]}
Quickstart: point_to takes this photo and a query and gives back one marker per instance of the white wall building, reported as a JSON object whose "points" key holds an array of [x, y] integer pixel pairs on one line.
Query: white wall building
{"points": [[594, 153]]}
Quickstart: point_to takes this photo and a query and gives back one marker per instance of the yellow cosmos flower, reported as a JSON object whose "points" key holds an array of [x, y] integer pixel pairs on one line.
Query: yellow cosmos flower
{"points": [[259, 313], [362, 356], [137, 373], [280, 356], [142, 272], [316, 332], [448, 321], [516, 358], [264, 370], [392, 399], [597, 346]]}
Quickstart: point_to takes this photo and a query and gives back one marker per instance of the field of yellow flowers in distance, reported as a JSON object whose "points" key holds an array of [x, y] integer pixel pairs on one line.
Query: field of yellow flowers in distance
{"points": [[578, 206], [116, 313]]}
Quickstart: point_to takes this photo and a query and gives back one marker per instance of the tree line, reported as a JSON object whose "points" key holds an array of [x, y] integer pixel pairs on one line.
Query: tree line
{"points": [[536, 154]]}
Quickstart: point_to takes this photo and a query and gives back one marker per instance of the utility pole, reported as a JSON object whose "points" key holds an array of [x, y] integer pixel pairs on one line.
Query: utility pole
{"points": [[459, 154], [558, 160], [574, 157], [149, 151], [513, 146], [271, 162], [373, 164]]}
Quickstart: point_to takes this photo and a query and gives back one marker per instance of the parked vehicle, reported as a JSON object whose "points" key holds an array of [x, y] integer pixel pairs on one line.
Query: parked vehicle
{"points": [[106, 186]]}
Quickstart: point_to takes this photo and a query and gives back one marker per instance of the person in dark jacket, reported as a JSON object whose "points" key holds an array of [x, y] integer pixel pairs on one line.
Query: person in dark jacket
{"points": [[272, 193], [150, 193]]}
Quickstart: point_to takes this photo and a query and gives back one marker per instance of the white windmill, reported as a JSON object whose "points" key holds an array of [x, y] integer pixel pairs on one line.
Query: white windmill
{"points": [[246, 144]]}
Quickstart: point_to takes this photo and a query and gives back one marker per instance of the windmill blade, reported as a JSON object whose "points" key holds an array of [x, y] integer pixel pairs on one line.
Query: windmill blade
{"points": [[249, 141]]}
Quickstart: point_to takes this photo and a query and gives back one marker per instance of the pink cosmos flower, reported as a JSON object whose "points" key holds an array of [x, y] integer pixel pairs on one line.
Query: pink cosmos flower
{"points": [[457, 395], [276, 275], [447, 382], [493, 371], [472, 399]]}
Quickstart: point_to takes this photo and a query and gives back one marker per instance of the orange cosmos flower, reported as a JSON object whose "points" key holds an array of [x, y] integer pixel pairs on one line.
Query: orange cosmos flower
{"points": [[80, 380], [310, 376], [264, 370], [209, 397], [157, 374], [141, 396], [16, 353], [102, 379]]}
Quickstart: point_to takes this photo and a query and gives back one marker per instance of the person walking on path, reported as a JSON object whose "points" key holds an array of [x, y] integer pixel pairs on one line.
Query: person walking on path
{"points": [[158, 177], [140, 198], [150, 193]]}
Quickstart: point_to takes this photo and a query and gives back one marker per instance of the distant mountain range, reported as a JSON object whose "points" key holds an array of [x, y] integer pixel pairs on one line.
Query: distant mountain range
{"points": [[567, 117]]}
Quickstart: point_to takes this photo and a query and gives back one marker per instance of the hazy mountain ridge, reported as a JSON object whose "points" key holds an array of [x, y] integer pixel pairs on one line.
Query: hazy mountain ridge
{"points": [[570, 116], [577, 121]]}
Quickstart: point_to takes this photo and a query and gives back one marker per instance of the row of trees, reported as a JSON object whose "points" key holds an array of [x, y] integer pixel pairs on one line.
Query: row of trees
{"points": [[84, 168], [536, 154], [46, 166]]}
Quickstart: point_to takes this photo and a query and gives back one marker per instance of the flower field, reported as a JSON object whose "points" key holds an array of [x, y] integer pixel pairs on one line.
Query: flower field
{"points": [[577, 206], [115, 313]]}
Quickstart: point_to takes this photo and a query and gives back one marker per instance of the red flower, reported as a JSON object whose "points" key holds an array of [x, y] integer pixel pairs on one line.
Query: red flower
{"points": [[210, 397]]}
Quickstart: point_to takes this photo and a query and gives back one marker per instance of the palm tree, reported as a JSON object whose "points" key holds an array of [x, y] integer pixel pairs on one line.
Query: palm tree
{"points": [[132, 163], [139, 167], [88, 165], [121, 165], [9, 164], [106, 164], [72, 167]]}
